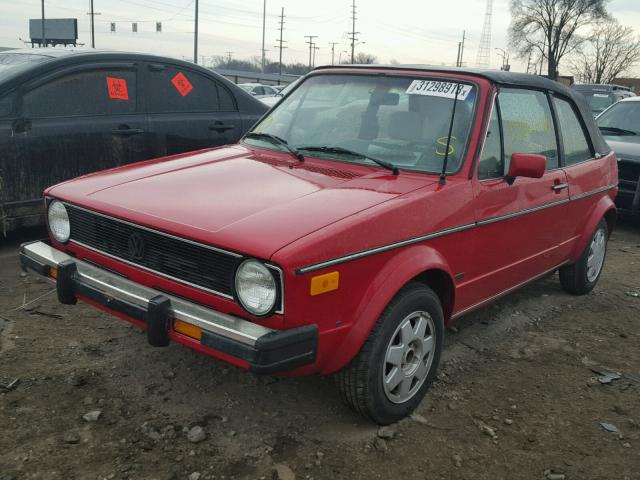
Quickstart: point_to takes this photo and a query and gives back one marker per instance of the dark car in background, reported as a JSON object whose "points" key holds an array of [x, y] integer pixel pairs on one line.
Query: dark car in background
{"points": [[600, 97], [65, 113], [620, 125]]}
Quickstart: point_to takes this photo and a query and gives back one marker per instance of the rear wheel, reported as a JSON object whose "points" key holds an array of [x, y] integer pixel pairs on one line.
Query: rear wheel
{"points": [[580, 277], [391, 374]]}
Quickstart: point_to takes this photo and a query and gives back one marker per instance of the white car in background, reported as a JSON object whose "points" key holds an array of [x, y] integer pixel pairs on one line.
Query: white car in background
{"points": [[271, 101], [258, 90]]}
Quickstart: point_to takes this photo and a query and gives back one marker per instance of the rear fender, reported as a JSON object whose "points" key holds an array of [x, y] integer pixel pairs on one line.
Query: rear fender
{"points": [[604, 208], [397, 272]]}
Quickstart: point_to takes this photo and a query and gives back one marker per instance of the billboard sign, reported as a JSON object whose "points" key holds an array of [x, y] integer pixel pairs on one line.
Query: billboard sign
{"points": [[56, 30]]}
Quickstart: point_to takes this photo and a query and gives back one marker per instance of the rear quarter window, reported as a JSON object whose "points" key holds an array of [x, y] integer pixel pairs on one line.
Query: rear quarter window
{"points": [[175, 89], [574, 141]]}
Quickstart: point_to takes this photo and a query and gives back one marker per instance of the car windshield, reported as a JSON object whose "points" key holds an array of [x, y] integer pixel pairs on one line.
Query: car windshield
{"points": [[246, 88], [599, 101], [353, 118], [622, 117], [11, 63]]}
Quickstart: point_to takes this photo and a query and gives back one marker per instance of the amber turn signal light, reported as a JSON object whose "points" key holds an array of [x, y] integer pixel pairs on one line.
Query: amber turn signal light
{"points": [[187, 329], [53, 272], [324, 283]]}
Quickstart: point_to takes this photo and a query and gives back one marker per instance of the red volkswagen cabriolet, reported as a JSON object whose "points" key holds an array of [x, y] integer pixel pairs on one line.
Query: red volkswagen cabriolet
{"points": [[371, 208]]}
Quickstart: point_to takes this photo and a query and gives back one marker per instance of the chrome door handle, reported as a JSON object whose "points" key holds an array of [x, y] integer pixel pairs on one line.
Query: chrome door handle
{"points": [[559, 186]]}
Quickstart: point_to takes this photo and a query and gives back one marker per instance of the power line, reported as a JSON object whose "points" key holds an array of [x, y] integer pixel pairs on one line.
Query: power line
{"points": [[461, 49], [93, 29], [353, 32], [333, 51], [264, 26], [44, 39], [195, 36], [311, 45], [281, 42]]}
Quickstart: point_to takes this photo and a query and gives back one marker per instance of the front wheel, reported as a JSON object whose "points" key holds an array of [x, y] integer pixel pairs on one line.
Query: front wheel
{"points": [[391, 374], [580, 277]]}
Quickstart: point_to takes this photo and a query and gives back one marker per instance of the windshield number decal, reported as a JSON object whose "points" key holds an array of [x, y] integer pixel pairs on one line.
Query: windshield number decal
{"points": [[439, 89]]}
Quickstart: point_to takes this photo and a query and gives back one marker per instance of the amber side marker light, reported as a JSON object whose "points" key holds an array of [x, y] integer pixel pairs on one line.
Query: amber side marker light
{"points": [[187, 329], [324, 283], [53, 272]]}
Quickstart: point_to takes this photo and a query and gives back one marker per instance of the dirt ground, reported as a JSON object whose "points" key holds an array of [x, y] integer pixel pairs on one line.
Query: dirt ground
{"points": [[517, 396]]}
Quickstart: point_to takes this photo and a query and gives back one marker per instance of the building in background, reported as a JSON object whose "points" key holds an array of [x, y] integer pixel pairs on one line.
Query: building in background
{"points": [[632, 83]]}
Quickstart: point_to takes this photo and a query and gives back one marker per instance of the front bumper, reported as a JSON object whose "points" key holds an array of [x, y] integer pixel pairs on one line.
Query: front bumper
{"points": [[265, 350]]}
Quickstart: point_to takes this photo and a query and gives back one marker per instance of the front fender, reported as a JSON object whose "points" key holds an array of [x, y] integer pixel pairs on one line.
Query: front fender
{"points": [[400, 269], [603, 208]]}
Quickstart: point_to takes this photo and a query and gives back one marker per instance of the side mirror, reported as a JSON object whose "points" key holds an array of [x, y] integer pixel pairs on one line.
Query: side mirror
{"points": [[254, 93], [526, 165]]}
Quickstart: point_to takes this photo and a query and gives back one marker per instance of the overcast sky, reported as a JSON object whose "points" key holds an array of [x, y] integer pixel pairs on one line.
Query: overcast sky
{"points": [[409, 31]]}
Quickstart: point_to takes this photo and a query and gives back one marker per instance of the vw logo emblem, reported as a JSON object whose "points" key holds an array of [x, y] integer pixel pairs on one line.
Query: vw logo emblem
{"points": [[136, 246]]}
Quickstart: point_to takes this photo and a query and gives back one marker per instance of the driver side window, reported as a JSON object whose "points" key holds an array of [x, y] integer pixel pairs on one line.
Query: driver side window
{"points": [[527, 125]]}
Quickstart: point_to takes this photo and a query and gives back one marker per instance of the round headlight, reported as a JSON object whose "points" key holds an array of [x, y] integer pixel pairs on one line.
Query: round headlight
{"points": [[255, 287], [59, 221]]}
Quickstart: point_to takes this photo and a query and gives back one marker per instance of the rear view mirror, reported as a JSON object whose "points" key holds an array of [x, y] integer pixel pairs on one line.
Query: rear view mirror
{"points": [[526, 165], [384, 98]]}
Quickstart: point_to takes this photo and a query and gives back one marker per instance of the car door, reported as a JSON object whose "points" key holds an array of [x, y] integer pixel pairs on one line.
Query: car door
{"points": [[522, 230], [188, 111], [75, 121], [8, 188], [585, 172]]}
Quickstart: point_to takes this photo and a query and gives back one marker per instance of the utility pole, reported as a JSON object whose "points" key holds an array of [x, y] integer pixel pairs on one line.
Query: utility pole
{"points": [[353, 32], [44, 40], [195, 37], [281, 42], [333, 52], [311, 44], [264, 26], [461, 48], [93, 30], [228, 56], [315, 49], [529, 62]]}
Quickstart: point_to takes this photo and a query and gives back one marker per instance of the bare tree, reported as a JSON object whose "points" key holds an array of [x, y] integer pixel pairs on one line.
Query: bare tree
{"points": [[550, 27], [362, 58], [609, 52]]}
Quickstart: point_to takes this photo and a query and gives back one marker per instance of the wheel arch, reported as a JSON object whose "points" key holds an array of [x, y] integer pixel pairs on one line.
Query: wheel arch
{"points": [[605, 209], [419, 263]]}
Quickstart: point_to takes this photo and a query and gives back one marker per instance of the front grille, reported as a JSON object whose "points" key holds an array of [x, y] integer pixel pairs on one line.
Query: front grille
{"points": [[164, 254]]}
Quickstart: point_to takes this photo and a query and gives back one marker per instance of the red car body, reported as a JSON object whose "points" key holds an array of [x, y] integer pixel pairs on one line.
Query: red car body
{"points": [[470, 240]]}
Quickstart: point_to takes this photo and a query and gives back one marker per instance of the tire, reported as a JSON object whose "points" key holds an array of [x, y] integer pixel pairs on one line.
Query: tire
{"points": [[579, 278], [361, 382]]}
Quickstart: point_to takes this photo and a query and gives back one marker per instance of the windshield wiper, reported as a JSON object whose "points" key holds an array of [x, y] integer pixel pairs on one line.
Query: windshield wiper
{"points": [[278, 141], [346, 151], [618, 131]]}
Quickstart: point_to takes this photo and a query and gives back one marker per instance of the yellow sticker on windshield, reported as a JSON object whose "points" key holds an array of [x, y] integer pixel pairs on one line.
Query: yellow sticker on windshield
{"points": [[443, 142]]}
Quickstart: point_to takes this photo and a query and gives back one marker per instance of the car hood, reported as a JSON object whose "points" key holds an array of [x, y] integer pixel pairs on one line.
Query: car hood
{"points": [[627, 147], [251, 201]]}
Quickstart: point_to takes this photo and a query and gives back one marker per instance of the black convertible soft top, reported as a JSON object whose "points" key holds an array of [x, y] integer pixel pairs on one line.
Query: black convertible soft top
{"points": [[507, 79]]}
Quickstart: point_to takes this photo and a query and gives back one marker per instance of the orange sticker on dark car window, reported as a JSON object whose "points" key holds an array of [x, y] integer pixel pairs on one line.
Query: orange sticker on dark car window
{"points": [[117, 88], [182, 84]]}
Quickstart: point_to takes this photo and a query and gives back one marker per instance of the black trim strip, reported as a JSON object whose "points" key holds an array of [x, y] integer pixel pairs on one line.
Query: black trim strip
{"points": [[441, 233], [384, 248]]}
